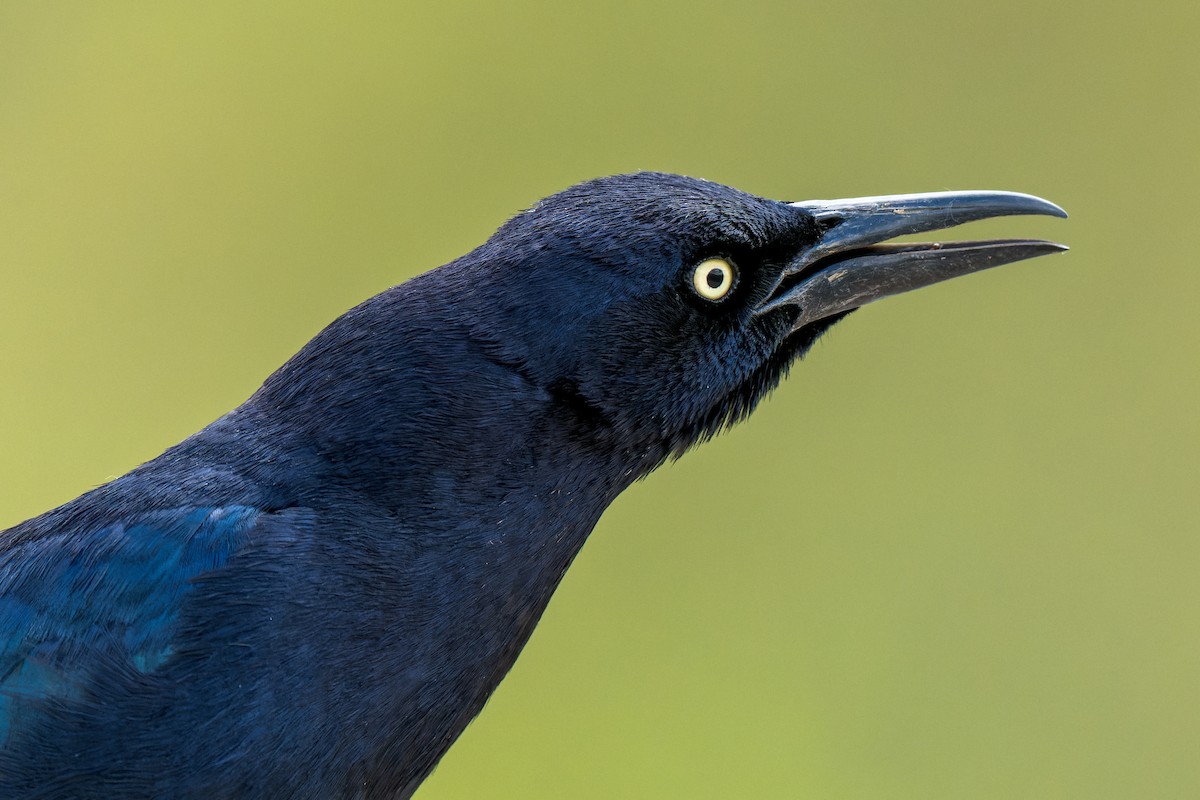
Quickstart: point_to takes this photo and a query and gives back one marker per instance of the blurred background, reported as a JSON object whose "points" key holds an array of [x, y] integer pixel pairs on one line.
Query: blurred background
{"points": [[956, 555]]}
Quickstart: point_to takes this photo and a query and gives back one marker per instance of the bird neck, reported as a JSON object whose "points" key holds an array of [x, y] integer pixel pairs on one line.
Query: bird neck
{"points": [[404, 401]]}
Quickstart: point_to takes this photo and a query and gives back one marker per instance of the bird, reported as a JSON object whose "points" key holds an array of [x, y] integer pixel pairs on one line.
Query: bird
{"points": [[315, 594]]}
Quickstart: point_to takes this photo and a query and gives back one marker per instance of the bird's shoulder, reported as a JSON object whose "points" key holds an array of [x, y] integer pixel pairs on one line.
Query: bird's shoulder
{"points": [[100, 584]]}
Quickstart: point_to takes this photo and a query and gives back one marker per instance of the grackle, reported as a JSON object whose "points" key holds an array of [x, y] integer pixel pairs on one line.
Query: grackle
{"points": [[314, 595]]}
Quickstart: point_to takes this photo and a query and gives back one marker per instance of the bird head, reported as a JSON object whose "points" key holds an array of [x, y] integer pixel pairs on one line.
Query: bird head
{"points": [[658, 309]]}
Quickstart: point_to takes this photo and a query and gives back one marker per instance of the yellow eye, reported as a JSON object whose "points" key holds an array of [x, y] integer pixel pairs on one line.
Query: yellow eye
{"points": [[713, 278]]}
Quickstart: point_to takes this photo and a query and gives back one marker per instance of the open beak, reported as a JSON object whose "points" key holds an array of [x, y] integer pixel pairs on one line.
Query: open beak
{"points": [[849, 267]]}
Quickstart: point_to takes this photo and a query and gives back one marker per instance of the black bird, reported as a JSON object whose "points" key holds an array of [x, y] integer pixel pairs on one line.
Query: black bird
{"points": [[313, 596]]}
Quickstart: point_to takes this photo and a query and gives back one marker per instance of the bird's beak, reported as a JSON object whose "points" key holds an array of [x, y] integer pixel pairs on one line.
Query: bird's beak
{"points": [[848, 267]]}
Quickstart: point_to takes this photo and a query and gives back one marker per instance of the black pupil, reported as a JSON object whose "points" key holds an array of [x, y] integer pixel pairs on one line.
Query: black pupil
{"points": [[715, 277]]}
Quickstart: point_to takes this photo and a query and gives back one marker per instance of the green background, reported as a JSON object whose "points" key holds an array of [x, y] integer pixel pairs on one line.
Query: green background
{"points": [[955, 556]]}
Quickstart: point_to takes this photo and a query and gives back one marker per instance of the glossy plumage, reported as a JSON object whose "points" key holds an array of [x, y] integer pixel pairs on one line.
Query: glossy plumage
{"points": [[313, 596]]}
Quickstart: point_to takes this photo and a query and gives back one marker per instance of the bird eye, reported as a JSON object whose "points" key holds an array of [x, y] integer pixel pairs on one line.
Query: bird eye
{"points": [[713, 278]]}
